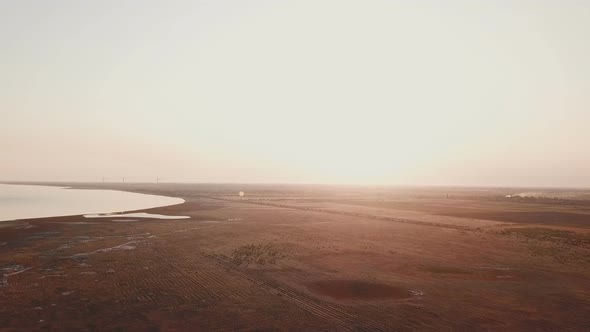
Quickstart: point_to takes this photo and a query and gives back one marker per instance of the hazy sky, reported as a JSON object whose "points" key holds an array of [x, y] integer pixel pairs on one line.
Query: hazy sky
{"points": [[389, 92]]}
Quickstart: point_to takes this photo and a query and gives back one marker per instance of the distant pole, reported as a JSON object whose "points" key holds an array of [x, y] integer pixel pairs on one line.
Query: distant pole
{"points": [[123, 180]]}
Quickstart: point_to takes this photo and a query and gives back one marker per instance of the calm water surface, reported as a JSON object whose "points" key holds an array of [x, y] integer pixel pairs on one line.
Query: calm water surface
{"points": [[26, 201]]}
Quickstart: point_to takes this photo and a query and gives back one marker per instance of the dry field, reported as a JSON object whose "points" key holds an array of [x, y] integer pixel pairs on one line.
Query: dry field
{"points": [[305, 258]]}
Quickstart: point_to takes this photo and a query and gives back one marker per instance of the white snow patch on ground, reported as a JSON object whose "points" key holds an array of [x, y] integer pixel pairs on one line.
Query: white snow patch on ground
{"points": [[134, 215]]}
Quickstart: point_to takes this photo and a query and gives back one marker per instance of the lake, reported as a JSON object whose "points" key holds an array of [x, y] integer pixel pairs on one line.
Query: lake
{"points": [[32, 201]]}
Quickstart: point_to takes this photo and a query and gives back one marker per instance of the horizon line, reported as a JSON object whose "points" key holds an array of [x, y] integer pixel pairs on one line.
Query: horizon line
{"points": [[300, 184]]}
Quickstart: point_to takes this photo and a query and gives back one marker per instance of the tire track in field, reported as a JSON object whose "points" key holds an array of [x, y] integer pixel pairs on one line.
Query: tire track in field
{"points": [[208, 277], [195, 285], [317, 307], [343, 213]]}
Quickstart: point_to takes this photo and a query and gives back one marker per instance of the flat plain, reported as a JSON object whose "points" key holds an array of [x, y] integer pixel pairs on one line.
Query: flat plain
{"points": [[305, 257]]}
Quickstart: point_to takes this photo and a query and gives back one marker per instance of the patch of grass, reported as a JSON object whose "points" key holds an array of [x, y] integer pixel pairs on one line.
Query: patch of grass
{"points": [[562, 246], [556, 236], [256, 254]]}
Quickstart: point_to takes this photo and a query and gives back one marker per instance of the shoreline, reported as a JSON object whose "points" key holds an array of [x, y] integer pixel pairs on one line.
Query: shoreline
{"points": [[150, 205]]}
